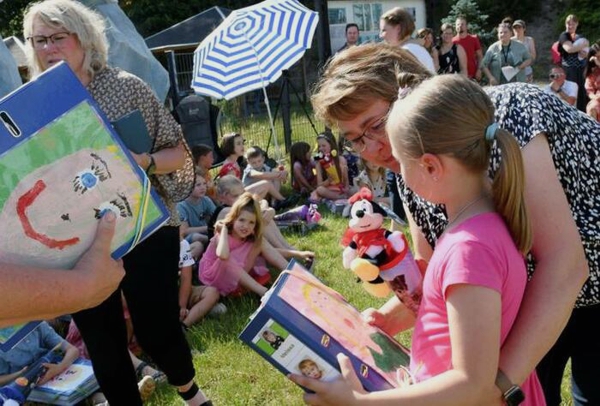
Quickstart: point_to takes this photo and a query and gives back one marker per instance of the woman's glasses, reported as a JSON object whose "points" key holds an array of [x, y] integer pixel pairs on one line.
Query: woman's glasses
{"points": [[373, 131], [41, 41]]}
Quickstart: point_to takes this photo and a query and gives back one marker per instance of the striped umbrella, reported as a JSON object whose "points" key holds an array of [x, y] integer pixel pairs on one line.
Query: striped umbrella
{"points": [[251, 48]]}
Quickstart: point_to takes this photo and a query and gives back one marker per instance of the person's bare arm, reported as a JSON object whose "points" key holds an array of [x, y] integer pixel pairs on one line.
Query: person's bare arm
{"points": [[299, 176], [71, 354], [462, 60], [532, 50], [30, 293], [166, 160], [185, 290], [561, 266], [435, 55], [223, 243], [479, 56], [571, 48]]}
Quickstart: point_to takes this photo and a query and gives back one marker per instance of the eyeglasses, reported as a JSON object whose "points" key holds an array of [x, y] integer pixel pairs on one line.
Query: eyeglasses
{"points": [[41, 41], [373, 131]]}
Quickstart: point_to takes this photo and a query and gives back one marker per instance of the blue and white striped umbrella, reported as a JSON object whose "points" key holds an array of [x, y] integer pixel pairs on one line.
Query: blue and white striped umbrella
{"points": [[252, 47]]}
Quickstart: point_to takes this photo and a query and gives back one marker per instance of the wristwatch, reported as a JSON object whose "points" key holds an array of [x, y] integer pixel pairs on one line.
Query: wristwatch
{"points": [[511, 393], [151, 166]]}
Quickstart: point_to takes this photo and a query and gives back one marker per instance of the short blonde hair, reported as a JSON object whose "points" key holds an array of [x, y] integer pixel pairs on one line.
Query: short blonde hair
{"points": [[357, 76], [75, 18]]}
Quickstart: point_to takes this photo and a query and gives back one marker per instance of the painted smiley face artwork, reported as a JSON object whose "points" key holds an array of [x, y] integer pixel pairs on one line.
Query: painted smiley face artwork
{"points": [[57, 184], [50, 217]]}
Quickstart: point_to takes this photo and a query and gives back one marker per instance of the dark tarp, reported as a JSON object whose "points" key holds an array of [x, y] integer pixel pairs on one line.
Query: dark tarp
{"points": [[191, 31], [127, 49], [9, 73]]}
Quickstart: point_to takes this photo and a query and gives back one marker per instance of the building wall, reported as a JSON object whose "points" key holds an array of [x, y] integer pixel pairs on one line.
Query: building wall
{"points": [[366, 14]]}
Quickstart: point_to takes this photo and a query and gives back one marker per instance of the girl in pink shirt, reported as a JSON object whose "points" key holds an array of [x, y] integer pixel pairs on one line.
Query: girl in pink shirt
{"points": [[442, 135]]}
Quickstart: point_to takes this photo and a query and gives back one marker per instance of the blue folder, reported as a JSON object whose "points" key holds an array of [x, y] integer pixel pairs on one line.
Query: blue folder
{"points": [[44, 124]]}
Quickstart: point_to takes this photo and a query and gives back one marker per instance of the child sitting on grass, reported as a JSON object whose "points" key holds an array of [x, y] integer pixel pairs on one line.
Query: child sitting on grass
{"points": [[373, 178], [230, 259], [332, 172], [233, 148], [35, 345], [195, 302], [204, 159], [194, 213], [275, 248], [257, 170], [303, 168]]}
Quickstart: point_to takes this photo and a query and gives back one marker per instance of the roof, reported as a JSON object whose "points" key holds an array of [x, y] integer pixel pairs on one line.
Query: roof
{"points": [[190, 32]]}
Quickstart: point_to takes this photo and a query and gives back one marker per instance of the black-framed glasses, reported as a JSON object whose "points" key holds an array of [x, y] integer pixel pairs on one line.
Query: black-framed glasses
{"points": [[41, 41], [373, 131]]}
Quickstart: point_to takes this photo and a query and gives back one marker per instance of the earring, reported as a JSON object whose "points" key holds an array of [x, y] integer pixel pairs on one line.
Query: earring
{"points": [[435, 178]]}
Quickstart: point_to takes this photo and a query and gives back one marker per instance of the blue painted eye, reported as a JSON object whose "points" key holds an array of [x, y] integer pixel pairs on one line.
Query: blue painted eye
{"points": [[88, 180]]}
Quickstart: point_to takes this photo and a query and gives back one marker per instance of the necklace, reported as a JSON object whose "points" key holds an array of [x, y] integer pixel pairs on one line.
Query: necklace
{"points": [[462, 210]]}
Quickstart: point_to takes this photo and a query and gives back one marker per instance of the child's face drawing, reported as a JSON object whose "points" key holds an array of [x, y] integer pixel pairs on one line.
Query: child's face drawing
{"points": [[238, 146], [199, 188], [244, 225], [256, 163], [324, 146], [312, 371], [75, 187]]}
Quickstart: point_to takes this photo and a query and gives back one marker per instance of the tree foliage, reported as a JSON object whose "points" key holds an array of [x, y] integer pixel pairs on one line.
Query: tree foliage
{"points": [[11, 17], [476, 19]]}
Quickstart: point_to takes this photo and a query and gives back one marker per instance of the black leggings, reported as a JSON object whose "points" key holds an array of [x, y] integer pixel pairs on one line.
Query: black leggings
{"points": [[151, 289], [578, 342]]}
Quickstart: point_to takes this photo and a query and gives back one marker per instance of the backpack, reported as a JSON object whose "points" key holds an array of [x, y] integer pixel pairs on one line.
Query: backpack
{"points": [[556, 58]]}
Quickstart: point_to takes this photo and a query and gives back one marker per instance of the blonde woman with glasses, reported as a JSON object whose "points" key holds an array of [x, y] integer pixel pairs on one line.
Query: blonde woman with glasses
{"points": [[66, 30]]}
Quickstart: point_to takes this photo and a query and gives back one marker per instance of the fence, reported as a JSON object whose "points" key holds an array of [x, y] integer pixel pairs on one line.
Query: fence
{"points": [[247, 114]]}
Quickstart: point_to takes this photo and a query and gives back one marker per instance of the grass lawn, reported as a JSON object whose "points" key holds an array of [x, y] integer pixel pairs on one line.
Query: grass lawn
{"points": [[232, 374]]}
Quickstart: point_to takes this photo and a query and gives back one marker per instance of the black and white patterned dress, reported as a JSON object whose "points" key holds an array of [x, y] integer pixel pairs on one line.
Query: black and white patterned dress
{"points": [[574, 141]]}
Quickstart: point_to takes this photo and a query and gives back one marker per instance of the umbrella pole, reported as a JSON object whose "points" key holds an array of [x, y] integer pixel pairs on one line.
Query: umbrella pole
{"points": [[275, 142]]}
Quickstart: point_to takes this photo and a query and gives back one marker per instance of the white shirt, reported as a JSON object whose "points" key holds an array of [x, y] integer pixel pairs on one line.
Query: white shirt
{"points": [[421, 54], [185, 256], [570, 89]]}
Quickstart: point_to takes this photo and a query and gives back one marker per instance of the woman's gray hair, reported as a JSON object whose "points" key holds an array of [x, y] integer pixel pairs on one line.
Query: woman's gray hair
{"points": [[75, 18]]}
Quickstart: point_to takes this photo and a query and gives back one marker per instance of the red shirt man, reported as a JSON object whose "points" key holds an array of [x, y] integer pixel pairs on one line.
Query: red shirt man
{"points": [[472, 48]]}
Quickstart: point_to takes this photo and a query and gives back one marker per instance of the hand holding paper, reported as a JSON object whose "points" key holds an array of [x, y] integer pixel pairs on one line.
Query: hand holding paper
{"points": [[509, 72]]}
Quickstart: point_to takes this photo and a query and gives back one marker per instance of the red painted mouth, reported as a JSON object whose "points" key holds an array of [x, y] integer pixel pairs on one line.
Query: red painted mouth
{"points": [[23, 204]]}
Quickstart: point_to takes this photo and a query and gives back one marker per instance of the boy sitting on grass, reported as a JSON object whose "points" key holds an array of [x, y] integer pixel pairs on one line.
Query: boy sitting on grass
{"points": [[257, 170], [194, 213]]}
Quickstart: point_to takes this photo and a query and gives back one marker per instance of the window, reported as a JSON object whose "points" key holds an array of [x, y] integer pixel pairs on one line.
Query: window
{"points": [[337, 16], [367, 16]]}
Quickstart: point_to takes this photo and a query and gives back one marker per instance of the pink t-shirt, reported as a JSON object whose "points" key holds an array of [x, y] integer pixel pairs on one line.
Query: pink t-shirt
{"points": [[479, 251]]}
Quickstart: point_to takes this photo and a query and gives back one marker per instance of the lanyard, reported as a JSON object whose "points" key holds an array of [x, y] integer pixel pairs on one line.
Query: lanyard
{"points": [[505, 53]]}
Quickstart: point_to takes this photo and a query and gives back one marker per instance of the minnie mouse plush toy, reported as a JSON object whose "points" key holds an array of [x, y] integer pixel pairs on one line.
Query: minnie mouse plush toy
{"points": [[379, 257]]}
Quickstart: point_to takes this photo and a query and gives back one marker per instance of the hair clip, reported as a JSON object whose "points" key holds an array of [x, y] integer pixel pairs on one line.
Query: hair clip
{"points": [[490, 132], [403, 91]]}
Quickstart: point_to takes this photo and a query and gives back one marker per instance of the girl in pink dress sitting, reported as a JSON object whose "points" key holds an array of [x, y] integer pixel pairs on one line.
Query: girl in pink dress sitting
{"points": [[230, 261]]}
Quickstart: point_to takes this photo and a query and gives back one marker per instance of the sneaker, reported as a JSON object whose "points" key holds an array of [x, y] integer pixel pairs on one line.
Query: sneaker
{"points": [[217, 310]]}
